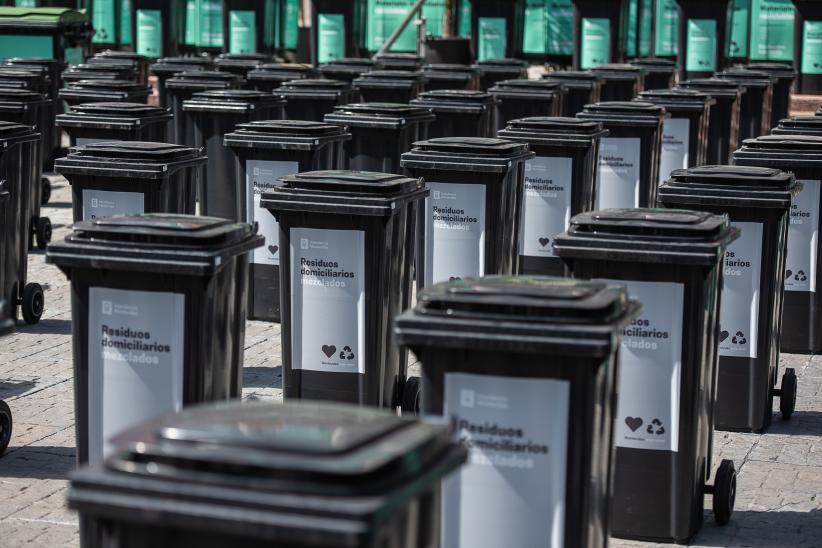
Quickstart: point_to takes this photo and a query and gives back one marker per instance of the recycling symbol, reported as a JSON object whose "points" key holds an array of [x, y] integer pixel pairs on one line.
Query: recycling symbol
{"points": [[800, 276], [347, 353], [655, 427], [739, 338]]}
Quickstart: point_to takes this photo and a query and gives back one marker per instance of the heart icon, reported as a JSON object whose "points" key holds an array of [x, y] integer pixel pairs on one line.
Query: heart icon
{"points": [[633, 423], [329, 350], [273, 249], [788, 273], [723, 335], [544, 241]]}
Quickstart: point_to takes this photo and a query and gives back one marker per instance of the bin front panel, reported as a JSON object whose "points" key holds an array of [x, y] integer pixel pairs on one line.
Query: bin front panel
{"points": [[546, 204], [803, 237], [99, 204], [739, 316], [618, 176]]}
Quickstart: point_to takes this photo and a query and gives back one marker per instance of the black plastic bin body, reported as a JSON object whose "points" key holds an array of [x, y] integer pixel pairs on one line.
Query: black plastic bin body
{"points": [[157, 27], [263, 152], [723, 122], [30, 108], [785, 75], [345, 69], [450, 76], [141, 63], [671, 262], [312, 99], [212, 114], [270, 76], [492, 71], [19, 167], [755, 109], [517, 99], [381, 132], [620, 81], [628, 164], [597, 33], [685, 132], [757, 201], [167, 67], [556, 357], [558, 184], [113, 177], [701, 43], [332, 30], [55, 69], [338, 494], [92, 122], [104, 91], [468, 226], [389, 86], [496, 29], [660, 72], [806, 54], [153, 330], [584, 88], [459, 113], [350, 236], [183, 86], [802, 308]]}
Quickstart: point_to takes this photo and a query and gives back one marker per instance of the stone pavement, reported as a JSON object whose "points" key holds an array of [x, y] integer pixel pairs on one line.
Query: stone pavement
{"points": [[779, 501]]}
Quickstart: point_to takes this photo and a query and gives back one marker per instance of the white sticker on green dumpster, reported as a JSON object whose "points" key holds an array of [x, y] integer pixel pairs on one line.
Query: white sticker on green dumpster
{"points": [[650, 368], [135, 361], [328, 300], [618, 180], [547, 207], [454, 232], [512, 490], [700, 45], [803, 239], [595, 42], [101, 204], [675, 144], [739, 316], [262, 176]]}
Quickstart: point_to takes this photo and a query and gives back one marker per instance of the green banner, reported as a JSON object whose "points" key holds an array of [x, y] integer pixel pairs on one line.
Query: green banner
{"points": [[738, 28], [811, 47], [667, 33], [772, 30], [645, 19], [700, 49], [211, 23], [291, 14], [434, 13], [383, 17], [150, 33], [242, 28], [104, 22], [331, 37], [26, 45], [125, 22], [493, 40], [596, 42], [464, 29], [535, 37], [630, 34]]}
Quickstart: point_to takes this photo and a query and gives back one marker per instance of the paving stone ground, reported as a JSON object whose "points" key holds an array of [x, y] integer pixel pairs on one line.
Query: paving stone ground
{"points": [[779, 501]]}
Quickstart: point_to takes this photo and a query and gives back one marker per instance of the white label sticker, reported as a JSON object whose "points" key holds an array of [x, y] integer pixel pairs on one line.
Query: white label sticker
{"points": [[261, 176], [454, 232], [80, 141], [675, 145], [512, 491], [328, 300], [650, 368], [800, 265], [619, 159], [739, 316], [547, 206], [101, 204], [135, 354]]}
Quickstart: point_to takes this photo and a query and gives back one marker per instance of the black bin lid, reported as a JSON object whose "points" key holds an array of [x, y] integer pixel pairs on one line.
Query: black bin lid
{"points": [[347, 66], [475, 154], [112, 115], [126, 110], [655, 65], [554, 131], [230, 100], [154, 242], [18, 95], [620, 71], [108, 85], [42, 61], [378, 115], [802, 124], [504, 62], [717, 87], [752, 79], [664, 236], [783, 71], [393, 78], [457, 100], [528, 88], [781, 151], [636, 113], [523, 313], [344, 192], [174, 65], [12, 133], [285, 134], [677, 98], [730, 186], [583, 75], [280, 71], [10, 72], [314, 88], [450, 70], [411, 60], [128, 159], [117, 54], [197, 79]]}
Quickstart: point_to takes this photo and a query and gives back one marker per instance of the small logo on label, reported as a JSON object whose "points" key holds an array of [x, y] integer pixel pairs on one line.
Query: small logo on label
{"points": [[303, 243], [94, 202], [436, 194], [655, 427], [107, 308], [347, 353], [256, 171], [467, 398], [273, 249], [739, 338], [633, 423], [723, 335]]}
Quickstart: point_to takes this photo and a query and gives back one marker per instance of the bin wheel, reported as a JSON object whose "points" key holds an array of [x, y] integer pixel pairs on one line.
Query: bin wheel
{"points": [[43, 233], [787, 397], [5, 426], [33, 303], [411, 396], [45, 192], [724, 492]]}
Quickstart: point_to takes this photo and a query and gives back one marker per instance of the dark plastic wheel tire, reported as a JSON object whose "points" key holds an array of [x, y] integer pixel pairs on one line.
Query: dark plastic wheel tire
{"points": [[724, 492], [411, 396], [33, 303], [5, 426], [787, 398], [45, 192], [43, 233]]}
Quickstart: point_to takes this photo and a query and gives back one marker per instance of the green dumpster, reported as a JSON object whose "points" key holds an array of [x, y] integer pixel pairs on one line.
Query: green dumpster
{"points": [[52, 33]]}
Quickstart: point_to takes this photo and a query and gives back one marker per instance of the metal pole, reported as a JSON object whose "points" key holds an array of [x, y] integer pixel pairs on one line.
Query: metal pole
{"points": [[397, 31]]}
